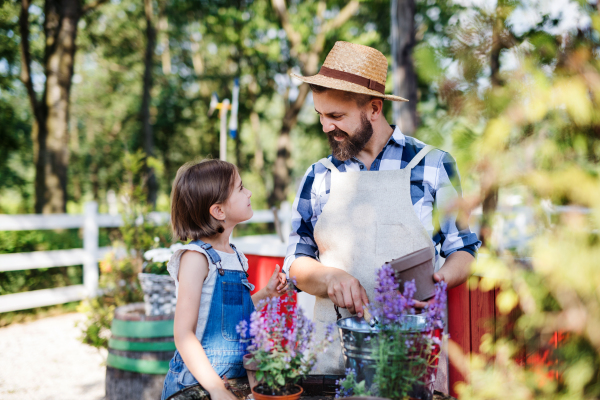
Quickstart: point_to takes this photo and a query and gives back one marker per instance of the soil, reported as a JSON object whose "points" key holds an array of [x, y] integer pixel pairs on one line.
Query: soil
{"points": [[285, 391]]}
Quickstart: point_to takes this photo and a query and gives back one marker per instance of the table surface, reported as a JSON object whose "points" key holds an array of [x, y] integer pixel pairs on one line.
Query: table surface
{"points": [[316, 387]]}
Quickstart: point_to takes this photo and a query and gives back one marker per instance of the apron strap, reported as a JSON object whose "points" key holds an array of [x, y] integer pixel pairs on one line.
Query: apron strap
{"points": [[420, 155], [329, 165]]}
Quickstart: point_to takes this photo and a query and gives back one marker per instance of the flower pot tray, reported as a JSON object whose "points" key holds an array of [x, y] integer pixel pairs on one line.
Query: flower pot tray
{"points": [[316, 387]]}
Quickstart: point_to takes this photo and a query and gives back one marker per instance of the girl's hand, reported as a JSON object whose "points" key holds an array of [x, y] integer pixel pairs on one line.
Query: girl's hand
{"points": [[277, 284]]}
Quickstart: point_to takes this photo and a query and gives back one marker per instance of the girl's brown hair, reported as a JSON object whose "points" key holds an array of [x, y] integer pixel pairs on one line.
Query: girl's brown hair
{"points": [[197, 186]]}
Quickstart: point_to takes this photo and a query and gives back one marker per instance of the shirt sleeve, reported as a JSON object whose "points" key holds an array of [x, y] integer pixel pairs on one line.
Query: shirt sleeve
{"points": [[452, 234], [301, 242]]}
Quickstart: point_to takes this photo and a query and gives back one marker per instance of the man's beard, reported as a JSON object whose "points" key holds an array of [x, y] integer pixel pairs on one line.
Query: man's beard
{"points": [[351, 145]]}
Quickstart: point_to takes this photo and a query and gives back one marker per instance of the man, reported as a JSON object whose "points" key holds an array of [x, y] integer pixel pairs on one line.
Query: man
{"points": [[349, 219]]}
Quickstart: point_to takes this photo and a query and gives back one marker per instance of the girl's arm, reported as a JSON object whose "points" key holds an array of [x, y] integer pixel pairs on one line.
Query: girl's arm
{"points": [[276, 286], [193, 270]]}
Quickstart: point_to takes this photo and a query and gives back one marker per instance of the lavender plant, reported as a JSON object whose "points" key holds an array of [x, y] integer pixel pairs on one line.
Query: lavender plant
{"points": [[405, 358], [284, 345]]}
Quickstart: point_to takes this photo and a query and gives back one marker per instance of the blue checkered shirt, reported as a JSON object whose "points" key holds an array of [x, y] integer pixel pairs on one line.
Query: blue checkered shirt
{"points": [[434, 183]]}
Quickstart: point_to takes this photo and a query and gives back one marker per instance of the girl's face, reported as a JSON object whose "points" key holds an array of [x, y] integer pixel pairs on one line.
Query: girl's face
{"points": [[237, 207]]}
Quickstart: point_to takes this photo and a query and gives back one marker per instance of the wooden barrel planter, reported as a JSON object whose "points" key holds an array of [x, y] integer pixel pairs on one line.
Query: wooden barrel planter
{"points": [[139, 352]]}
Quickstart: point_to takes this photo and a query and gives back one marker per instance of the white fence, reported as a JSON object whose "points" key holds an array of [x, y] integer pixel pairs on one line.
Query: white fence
{"points": [[91, 253]]}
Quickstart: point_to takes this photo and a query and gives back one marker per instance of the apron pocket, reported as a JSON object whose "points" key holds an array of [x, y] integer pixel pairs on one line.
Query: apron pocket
{"points": [[393, 241], [233, 310]]}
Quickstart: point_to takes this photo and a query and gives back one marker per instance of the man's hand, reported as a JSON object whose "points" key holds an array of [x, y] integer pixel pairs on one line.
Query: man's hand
{"points": [[345, 291]]}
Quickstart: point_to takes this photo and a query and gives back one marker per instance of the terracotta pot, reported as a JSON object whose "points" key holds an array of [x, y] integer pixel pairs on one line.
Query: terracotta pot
{"points": [[251, 368], [295, 396]]}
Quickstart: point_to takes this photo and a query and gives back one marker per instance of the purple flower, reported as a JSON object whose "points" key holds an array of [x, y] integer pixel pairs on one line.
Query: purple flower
{"points": [[436, 310], [389, 305]]}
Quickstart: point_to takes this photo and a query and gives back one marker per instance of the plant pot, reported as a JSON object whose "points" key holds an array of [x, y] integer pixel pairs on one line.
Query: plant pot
{"points": [[260, 396], [358, 348], [417, 265], [159, 293], [251, 368]]}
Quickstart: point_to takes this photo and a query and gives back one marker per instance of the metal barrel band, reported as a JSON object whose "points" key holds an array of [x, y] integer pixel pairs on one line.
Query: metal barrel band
{"points": [[141, 346], [140, 366], [142, 329]]}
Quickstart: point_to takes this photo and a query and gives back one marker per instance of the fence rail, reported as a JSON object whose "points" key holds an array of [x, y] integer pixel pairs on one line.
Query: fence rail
{"points": [[88, 256]]}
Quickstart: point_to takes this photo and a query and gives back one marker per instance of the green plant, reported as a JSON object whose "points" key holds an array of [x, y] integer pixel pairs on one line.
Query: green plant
{"points": [[283, 343], [119, 285], [119, 270]]}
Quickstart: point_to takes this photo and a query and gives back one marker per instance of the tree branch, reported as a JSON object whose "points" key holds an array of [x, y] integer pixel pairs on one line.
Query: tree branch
{"points": [[293, 36], [92, 6], [344, 15], [312, 58], [26, 57]]}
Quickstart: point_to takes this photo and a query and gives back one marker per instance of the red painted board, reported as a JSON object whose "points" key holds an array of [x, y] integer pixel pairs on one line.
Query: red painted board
{"points": [[483, 314], [459, 327], [260, 269]]}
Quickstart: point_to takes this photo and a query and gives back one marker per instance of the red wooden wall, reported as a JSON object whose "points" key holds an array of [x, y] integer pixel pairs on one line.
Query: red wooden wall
{"points": [[260, 269]]}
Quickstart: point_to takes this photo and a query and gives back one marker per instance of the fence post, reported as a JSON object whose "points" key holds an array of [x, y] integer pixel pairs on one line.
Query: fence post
{"points": [[90, 245]]}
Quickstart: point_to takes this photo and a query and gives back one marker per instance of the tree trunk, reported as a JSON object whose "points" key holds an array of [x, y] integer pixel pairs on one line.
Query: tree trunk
{"points": [[403, 69], [282, 168], [309, 61], [147, 133], [51, 126]]}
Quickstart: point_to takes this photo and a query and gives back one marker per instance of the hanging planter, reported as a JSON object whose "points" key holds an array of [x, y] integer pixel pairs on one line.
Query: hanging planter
{"points": [[157, 285], [159, 293]]}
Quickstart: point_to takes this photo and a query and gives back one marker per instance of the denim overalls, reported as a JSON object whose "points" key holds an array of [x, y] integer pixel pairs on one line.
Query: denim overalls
{"points": [[231, 303]]}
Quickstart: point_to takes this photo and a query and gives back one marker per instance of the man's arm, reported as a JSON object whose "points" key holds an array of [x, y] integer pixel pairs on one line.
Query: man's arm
{"points": [[301, 262], [343, 289], [456, 269]]}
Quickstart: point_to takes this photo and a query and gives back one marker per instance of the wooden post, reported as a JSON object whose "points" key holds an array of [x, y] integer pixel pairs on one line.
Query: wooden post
{"points": [[90, 246], [223, 139]]}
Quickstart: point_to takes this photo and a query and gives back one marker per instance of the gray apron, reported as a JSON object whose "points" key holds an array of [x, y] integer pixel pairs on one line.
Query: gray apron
{"points": [[369, 219]]}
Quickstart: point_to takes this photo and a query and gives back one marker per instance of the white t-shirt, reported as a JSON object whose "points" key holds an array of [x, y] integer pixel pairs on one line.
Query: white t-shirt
{"points": [[229, 261]]}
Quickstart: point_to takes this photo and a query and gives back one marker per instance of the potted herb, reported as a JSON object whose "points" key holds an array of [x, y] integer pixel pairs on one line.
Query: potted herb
{"points": [[398, 357], [282, 346], [157, 285]]}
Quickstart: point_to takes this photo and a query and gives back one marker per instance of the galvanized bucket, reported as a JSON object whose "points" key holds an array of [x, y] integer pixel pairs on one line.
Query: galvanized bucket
{"points": [[357, 344]]}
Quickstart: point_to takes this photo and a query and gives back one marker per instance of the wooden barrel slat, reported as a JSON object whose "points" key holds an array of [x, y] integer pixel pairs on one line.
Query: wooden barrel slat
{"points": [[139, 352]]}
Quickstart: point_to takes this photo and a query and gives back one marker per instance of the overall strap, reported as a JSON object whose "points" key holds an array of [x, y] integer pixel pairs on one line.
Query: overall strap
{"points": [[329, 165], [245, 281], [215, 258], [420, 155], [238, 256]]}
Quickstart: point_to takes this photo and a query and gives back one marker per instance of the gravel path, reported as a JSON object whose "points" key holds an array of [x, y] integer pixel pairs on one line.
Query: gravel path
{"points": [[44, 360]]}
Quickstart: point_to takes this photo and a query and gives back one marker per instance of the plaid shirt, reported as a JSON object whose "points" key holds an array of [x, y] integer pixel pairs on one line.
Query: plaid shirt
{"points": [[434, 183]]}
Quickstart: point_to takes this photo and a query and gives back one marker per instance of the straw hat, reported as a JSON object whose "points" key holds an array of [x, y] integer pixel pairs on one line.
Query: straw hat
{"points": [[353, 68]]}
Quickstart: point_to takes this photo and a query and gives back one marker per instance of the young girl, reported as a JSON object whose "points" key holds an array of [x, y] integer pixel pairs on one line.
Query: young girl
{"points": [[213, 292]]}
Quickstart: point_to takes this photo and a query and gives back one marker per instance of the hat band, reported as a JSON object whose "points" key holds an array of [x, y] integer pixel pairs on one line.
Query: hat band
{"points": [[352, 78]]}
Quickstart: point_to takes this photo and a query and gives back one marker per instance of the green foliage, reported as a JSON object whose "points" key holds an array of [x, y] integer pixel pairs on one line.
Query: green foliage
{"points": [[119, 272], [399, 365], [120, 286]]}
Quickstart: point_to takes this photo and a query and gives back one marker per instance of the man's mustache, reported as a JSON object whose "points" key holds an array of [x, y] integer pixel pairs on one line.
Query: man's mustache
{"points": [[337, 132]]}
